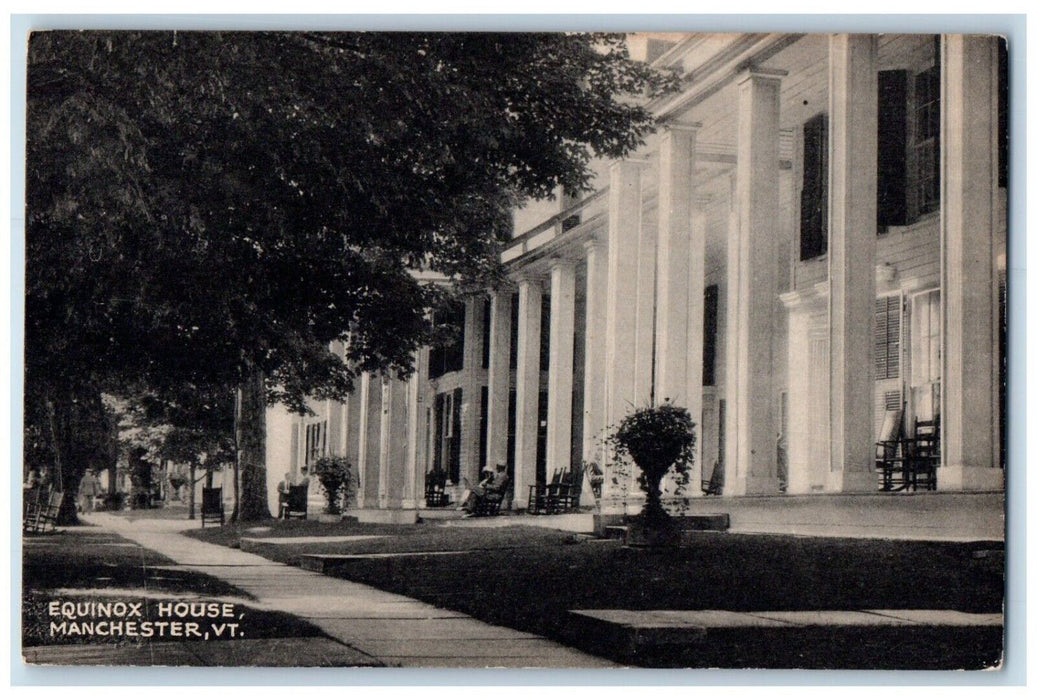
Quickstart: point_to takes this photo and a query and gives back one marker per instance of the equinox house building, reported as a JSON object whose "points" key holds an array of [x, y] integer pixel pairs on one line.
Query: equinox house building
{"points": [[815, 235]]}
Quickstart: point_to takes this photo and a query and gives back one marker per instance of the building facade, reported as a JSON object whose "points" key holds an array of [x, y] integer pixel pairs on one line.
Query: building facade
{"points": [[814, 236]]}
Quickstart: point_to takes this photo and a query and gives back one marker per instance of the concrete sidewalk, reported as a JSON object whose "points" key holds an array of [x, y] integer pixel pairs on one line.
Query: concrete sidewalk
{"points": [[933, 516], [387, 628]]}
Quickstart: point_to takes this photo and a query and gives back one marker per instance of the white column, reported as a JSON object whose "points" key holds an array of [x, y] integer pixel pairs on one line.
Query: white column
{"points": [[471, 388], [644, 319], [752, 273], [853, 106], [680, 273], [499, 379], [560, 366], [968, 275], [368, 461], [393, 454], [414, 471], [624, 228], [594, 351], [681, 279], [527, 389]]}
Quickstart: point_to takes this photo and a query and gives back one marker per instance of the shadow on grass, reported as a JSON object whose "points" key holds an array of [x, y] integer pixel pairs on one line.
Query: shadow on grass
{"points": [[84, 565]]}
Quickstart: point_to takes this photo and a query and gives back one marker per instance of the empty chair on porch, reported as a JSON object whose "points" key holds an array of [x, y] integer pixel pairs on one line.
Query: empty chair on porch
{"points": [[890, 460], [924, 454], [212, 505], [565, 496], [540, 494], [295, 502], [435, 489], [44, 513], [714, 486]]}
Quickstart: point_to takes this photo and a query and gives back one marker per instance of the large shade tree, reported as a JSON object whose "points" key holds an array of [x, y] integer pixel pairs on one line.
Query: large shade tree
{"points": [[217, 208]]}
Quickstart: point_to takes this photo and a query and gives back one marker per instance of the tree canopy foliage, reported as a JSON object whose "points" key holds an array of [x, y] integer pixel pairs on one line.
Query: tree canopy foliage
{"points": [[206, 207]]}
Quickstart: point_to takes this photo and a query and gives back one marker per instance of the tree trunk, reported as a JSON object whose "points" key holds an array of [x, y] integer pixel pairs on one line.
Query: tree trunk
{"points": [[76, 419], [252, 449], [190, 493]]}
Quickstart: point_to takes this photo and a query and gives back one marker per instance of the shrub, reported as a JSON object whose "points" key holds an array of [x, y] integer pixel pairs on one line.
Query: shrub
{"points": [[660, 440], [336, 477]]}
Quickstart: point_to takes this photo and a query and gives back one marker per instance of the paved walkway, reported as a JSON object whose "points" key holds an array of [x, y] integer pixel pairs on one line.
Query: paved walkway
{"points": [[949, 517], [384, 627]]}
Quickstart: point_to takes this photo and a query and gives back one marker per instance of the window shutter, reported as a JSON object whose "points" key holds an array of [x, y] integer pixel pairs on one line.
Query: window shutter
{"points": [[892, 148], [813, 213], [709, 336], [887, 337], [881, 330]]}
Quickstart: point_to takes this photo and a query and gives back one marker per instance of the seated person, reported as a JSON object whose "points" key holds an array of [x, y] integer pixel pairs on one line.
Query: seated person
{"points": [[491, 484]]}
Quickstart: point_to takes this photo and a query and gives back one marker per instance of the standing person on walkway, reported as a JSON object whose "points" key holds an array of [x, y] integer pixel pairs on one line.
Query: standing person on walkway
{"points": [[88, 490]]}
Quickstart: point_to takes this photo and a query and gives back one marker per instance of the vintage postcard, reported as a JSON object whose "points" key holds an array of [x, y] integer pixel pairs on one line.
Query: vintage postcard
{"points": [[515, 350]]}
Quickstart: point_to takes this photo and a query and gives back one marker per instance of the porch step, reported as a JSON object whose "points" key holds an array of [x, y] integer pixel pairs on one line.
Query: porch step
{"points": [[616, 532]]}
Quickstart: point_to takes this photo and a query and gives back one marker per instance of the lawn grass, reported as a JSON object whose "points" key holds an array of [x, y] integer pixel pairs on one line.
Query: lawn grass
{"points": [[529, 578], [169, 511], [230, 534], [84, 564]]}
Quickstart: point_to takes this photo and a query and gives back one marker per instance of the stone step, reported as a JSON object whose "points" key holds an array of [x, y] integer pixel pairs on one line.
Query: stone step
{"points": [[252, 544], [383, 516], [323, 563], [616, 532], [633, 631]]}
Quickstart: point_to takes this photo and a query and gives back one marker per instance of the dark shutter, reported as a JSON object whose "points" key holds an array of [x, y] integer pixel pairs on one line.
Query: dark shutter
{"points": [[513, 352], [545, 332], [484, 425], [486, 326], [709, 336], [455, 438], [887, 337], [892, 148], [813, 213]]}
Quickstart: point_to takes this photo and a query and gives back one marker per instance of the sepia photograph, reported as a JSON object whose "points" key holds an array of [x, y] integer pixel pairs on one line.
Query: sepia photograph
{"points": [[515, 350]]}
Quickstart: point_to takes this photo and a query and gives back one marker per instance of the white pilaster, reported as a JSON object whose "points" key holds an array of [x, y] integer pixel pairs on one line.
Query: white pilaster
{"points": [[499, 379], [560, 366], [853, 106], [527, 389], [968, 223], [752, 274], [594, 351], [624, 227]]}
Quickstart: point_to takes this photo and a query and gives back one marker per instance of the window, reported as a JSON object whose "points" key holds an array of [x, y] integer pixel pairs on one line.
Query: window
{"points": [[316, 442], [448, 357], [887, 337], [709, 336], [925, 339], [926, 145], [813, 212], [892, 149]]}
